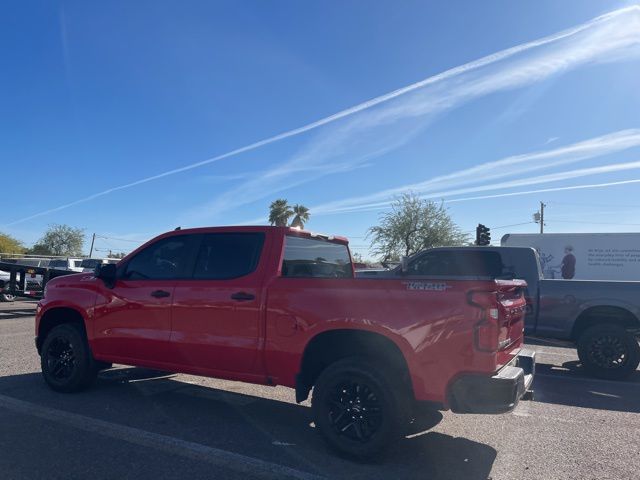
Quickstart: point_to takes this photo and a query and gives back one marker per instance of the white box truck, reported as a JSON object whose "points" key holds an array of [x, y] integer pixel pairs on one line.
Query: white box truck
{"points": [[583, 256]]}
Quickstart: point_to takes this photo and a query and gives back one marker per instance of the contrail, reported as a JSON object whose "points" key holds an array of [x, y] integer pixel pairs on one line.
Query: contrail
{"points": [[505, 167], [544, 190], [257, 221], [482, 62], [549, 178]]}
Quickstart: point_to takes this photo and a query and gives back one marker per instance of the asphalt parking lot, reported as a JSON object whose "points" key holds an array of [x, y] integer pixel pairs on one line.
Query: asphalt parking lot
{"points": [[136, 423]]}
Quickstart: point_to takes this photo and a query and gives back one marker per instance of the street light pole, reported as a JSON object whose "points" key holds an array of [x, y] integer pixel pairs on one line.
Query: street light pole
{"points": [[93, 239], [542, 205]]}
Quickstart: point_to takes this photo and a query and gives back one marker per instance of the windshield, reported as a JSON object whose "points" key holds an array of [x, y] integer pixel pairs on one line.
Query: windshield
{"points": [[90, 263], [58, 263]]}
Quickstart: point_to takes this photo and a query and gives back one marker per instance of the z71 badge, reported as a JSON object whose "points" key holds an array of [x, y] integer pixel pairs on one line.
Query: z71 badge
{"points": [[431, 286]]}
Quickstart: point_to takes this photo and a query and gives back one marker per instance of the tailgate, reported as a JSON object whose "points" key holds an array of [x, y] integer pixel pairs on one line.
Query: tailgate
{"points": [[512, 306]]}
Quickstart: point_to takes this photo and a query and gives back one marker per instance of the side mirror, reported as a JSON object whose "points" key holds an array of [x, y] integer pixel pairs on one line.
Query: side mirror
{"points": [[107, 273], [404, 265]]}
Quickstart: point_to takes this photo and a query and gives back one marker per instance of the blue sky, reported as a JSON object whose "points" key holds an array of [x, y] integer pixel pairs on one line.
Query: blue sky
{"points": [[125, 118]]}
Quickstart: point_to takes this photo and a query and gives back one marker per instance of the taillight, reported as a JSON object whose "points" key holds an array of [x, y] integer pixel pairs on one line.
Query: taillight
{"points": [[529, 306], [486, 331]]}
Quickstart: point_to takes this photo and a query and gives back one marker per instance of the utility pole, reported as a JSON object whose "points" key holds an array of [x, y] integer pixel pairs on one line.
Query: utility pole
{"points": [[542, 205], [93, 239]]}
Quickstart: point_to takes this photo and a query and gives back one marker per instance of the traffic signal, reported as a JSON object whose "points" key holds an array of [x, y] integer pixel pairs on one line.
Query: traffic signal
{"points": [[483, 235]]}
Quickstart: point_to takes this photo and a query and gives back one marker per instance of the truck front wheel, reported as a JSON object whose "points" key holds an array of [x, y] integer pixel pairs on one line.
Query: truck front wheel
{"points": [[358, 407], [608, 351], [66, 360]]}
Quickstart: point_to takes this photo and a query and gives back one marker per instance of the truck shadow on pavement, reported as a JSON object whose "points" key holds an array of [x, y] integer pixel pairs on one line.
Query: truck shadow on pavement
{"points": [[568, 384], [269, 429], [11, 313]]}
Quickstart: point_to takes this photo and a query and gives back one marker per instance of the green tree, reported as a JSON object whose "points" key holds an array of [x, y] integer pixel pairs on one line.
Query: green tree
{"points": [[301, 216], [413, 224], [60, 240], [357, 257], [279, 212], [9, 244]]}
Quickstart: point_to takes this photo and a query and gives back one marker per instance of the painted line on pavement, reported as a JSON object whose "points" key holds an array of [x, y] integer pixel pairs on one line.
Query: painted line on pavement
{"points": [[195, 451]]}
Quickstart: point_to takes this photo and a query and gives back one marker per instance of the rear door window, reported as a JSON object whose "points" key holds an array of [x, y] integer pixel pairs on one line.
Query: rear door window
{"points": [[315, 258], [225, 256]]}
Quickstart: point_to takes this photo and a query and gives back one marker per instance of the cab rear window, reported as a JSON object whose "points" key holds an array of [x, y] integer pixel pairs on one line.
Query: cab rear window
{"points": [[315, 258]]}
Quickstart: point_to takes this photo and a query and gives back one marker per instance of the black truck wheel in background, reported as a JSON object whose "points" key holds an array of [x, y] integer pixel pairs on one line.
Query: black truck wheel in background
{"points": [[66, 360], [358, 407], [608, 351], [6, 297]]}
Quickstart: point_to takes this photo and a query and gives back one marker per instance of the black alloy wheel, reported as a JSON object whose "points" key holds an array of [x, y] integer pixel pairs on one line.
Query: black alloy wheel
{"points": [[608, 351], [360, 407], [354, 410], [66, 360], [61, 359]]}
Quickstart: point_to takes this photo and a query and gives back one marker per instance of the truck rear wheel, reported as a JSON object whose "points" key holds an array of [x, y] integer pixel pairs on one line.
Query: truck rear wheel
{"points": [[66, 361], [358, 407], [608, 351]]}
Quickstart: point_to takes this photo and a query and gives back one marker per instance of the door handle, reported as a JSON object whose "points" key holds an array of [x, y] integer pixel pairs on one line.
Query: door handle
{"points": [[243, 296], [160, 293]]}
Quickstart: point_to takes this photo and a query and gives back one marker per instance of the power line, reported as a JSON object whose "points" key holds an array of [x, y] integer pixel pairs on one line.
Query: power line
{"points": [[512, 225], [121, 239], [594, 223], [606, 205]]}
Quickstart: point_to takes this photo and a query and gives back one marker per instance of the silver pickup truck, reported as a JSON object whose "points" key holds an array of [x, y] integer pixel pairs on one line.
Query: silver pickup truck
{"points": [[602, 318]]}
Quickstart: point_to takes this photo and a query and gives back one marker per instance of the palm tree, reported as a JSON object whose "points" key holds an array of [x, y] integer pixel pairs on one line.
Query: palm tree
{"points": [[301, 216], [279, 212]]}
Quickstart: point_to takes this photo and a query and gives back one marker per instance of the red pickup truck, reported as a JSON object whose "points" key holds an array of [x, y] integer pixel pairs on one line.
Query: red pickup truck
{"points": [[280, 306]]}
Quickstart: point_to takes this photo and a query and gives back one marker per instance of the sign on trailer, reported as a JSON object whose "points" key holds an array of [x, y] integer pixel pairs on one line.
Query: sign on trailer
{"points": [[583, 256]]}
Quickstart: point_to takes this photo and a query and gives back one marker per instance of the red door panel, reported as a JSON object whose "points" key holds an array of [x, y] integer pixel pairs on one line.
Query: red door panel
{"points": [[129, 322], [213, 331]]}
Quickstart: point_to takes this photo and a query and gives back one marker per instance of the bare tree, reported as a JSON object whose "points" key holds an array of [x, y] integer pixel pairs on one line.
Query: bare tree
{"points": [[413, 224], [60, 240]]}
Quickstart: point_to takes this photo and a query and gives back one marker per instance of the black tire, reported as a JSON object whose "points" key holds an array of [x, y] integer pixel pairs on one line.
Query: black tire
{"points": [[347, 388], [66, 360], [6, 297], [608, 351]]}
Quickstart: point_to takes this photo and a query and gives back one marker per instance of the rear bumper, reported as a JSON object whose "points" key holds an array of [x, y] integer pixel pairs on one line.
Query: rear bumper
{"points": [[497, 394]]}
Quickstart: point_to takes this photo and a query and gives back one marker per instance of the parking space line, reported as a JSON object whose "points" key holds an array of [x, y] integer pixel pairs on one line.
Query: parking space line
{"points": [[195, 451]]}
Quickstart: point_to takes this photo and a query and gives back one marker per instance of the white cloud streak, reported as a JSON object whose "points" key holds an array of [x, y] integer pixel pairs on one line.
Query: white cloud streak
{"points": [[506, 167], [605, 38], [550, 178], [545, 190], [383, 128]]}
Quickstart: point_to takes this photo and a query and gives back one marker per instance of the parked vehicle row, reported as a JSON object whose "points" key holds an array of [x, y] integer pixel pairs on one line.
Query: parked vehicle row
{"points": [[281, 306], [33, 268]]}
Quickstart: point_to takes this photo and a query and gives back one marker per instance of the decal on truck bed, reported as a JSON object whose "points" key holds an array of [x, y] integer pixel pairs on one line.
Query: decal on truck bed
{"points": [[431, 286]]}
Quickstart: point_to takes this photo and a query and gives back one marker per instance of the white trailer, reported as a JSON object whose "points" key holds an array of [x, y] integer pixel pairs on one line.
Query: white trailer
{"points": [[583, 256]]}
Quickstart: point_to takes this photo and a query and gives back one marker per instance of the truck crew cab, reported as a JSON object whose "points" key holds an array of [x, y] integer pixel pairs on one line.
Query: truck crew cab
{"points": [[280, 306]]}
